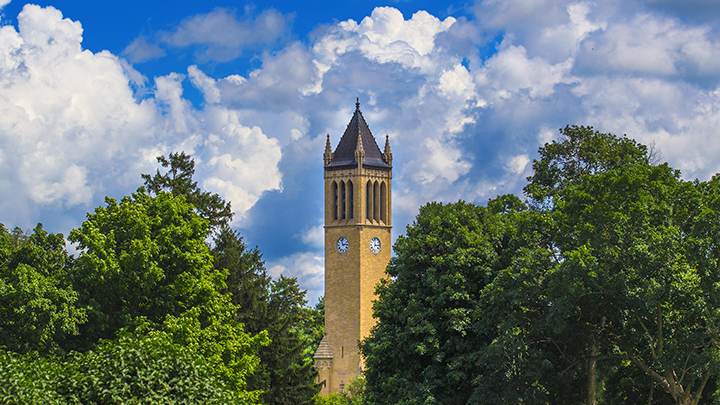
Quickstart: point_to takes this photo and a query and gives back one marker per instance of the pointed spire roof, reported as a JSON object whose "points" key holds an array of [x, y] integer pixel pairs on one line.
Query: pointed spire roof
{"points": [[328, 147], [357, 135], [324, 351]]}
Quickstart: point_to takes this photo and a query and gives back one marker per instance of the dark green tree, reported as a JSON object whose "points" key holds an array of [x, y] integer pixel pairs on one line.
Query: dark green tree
{"points": [[29, 379], [430, 341], [178, 181], [146, 276], [286, 373], [581, 151], [354, 395], [607, 281], [625, 279]]}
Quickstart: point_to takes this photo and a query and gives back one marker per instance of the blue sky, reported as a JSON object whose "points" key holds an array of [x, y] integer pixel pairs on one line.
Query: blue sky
{"points": [[92, 92]]}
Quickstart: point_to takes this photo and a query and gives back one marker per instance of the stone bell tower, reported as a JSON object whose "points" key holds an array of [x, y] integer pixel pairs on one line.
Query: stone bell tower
{"points": [[358, 221]]}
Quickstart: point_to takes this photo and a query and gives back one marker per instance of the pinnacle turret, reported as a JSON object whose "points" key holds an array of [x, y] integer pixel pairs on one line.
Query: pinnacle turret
{"points": [[359, 150], [328, 155], [387, 155]]}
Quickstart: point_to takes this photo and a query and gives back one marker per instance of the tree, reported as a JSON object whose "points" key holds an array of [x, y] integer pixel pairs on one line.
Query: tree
{"points": [[428, 344], [29, 379], [184, 363], [581, 152], [39, 309], [625, 281], [286, 373], [178, 181], [353, 396], [155, 319], [609, 276], [142, 257], [159, 325]]}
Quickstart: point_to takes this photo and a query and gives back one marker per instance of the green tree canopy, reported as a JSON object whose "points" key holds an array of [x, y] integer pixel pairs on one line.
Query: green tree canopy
{"points": [[609, 280], [142, 257], [178, 181], [286, 374], [39, 309], [582, 151], [430, 334], [154, 319], [180, 363]]}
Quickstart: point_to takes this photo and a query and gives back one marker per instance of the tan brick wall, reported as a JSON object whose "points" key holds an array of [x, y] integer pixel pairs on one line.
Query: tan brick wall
{"points": [[351, 277]]}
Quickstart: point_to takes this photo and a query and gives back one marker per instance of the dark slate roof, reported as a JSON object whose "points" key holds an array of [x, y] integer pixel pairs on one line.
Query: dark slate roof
{"points": [[324, 351], [345, 153]]}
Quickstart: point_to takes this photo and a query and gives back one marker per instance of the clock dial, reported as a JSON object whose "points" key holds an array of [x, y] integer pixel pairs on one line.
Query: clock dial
{"points": [[342, 245], [375, 245]]}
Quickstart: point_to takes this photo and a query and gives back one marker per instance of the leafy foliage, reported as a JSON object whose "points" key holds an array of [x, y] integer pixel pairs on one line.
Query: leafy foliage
{"points": [[39, 309], [353, 396], [148, 367], [159, 326], [286, 373], [211, 331], [29, 379], [147, 313], [142, 366], [143, 257], [178, 181], [431, 332], [581, 152], [607, 280]]}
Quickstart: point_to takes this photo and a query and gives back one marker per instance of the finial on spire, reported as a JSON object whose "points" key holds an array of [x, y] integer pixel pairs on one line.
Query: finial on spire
{"points": [[387, 155], [328, 155], [357, 103]]}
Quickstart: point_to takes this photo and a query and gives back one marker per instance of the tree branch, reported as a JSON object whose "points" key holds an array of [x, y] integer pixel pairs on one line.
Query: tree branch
{"points": [[652, 373], [652, 344]]}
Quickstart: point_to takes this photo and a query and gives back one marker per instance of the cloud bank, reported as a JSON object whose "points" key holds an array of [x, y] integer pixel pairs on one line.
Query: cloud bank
{"points": [[72, 129]]}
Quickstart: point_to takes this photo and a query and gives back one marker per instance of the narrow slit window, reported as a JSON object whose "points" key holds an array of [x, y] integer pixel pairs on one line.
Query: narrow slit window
{"points": [[382, 201], [368, 201], [376, 201], [342, 200], [335, 200], [351, 202]]}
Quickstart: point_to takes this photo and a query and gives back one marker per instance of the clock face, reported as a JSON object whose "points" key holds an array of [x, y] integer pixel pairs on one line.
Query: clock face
{"points": [[342, 245], [375, 245]]}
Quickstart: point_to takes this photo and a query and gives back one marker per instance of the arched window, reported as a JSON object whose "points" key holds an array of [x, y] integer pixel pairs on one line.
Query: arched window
{"points": [[342, 200], [351, 201], [335, 200], [376, 201], [368, 200], [383, 202]]}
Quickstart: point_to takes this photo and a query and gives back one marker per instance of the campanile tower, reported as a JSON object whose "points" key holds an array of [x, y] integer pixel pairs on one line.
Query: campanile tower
{"points": [[358, 220]]}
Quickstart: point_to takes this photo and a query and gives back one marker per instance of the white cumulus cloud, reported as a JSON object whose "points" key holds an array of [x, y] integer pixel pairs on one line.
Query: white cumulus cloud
{"points": [[77, 132], [307, 268]]}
